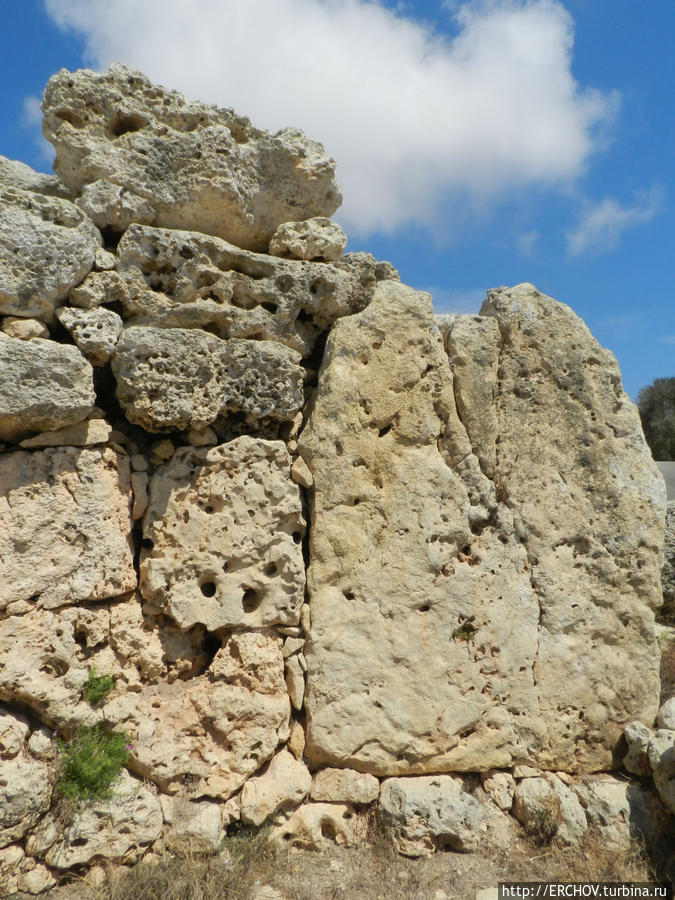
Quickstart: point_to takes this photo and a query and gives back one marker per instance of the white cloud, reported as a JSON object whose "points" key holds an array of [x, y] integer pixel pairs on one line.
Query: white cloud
{"points": [[601, 224], [423, 126], [31, 120], [526, 241]]}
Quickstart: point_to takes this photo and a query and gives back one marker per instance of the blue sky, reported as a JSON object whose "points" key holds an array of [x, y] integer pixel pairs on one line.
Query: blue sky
{"points": [[478, 143]]}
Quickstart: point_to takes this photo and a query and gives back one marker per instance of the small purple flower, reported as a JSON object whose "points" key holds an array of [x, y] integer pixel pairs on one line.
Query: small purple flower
{"points": [[128, 746]]}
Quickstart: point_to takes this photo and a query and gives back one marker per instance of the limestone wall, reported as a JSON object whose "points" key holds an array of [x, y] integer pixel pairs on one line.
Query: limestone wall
{"points": [[316, 535]]}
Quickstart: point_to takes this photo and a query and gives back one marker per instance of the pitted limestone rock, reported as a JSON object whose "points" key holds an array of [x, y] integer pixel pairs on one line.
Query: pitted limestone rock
{"points": [[317, 238], [589, 504], [119, 829], [44, 386], [422, 815], [205, 736], [65, 535], [516, 676], [181, 279], [667, 612], [222, 537], [171, 378], [283, 786], [197, 166], [26, 791], [95, 331], [47, 246], [412, 664]]}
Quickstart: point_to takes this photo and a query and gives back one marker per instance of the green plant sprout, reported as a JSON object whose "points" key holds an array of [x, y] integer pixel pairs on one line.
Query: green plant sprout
{"points": [[97, 688], [90, 764]]}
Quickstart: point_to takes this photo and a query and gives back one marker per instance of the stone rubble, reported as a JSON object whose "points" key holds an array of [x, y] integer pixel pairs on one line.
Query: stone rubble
{"points": [[320, 539]]}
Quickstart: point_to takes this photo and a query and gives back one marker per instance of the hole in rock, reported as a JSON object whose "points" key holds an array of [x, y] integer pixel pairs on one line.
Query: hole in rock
{"points": [[348, 594], [383, 431], [297, 537], [251, 600], [424, 608], [208, 588], [124, 123], [67, 115], [147, 544], [111, 238], [271, 308], [271, 569]]}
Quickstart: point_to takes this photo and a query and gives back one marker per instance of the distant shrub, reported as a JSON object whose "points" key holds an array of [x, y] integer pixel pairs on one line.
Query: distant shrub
{"points": [[90, 764], [97, 687], [656, 404]]}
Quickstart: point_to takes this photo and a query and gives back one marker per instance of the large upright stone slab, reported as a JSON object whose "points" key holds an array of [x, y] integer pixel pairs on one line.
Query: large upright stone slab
{"points": [[222, 537], [182, 163], [573, 465], [65, 526], [444, 636]]}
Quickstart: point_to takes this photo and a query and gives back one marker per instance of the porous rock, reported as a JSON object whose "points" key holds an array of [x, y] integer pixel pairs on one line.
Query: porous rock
{"points": [[315, 826], [422, 815], [283, 786], [84, 434], [47, 244], [197, 167], [500, 788], [66, 527], [171, 378], [45, 386], [546, 807], [99, 288], [95, 331], [24, 329], [194, 826], [119, 829], [181, 279], [204, 737], [222, 537], [667, 611], [344, 786], [25, 796], [14, 731], [666, 716], [313, 239], [517, 676], [621, 810]]}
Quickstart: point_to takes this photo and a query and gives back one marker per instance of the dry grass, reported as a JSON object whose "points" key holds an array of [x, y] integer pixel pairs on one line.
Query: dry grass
{"points": [[373, 872]]}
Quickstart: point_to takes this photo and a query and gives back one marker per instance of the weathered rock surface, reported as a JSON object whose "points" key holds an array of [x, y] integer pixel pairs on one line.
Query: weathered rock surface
{"points": [[84, 434], [95, 331], [204, 737], [317, 239], [119, 829], [66, 529], [344, 786], [181, 279], [500, 788], [442, 637], [196, 166], [620, 810], [666, 716], [171, 378], [315, 826], [411, 667], [44, 386], [283, 786], [667, 611], [222, 537], [547, 808], [194, 826], [24, 329], [24, 798], [47, 246], [422, 815]]}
